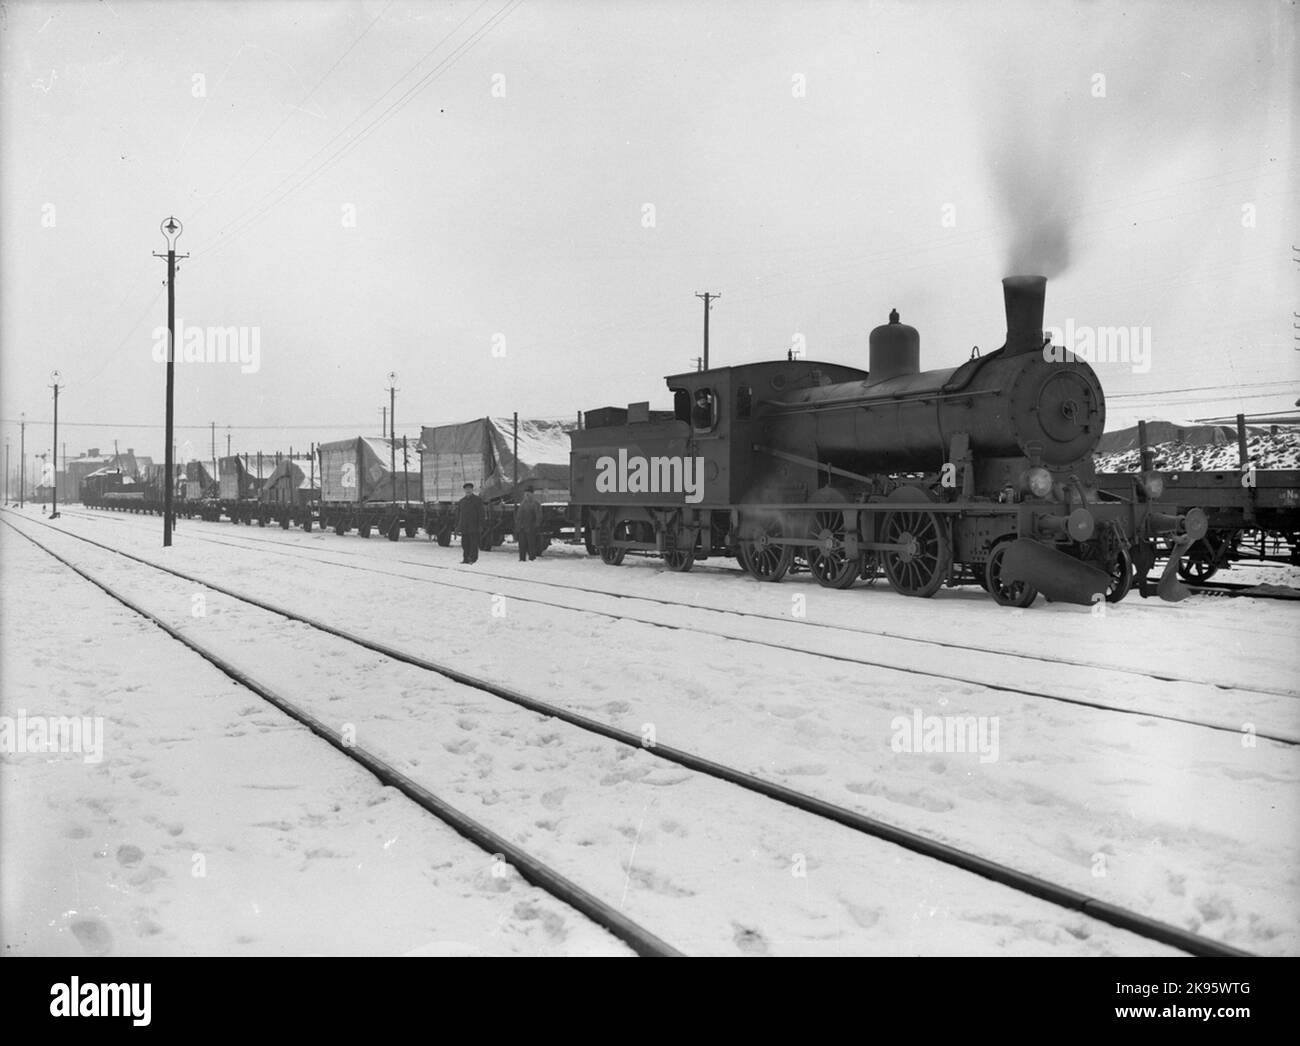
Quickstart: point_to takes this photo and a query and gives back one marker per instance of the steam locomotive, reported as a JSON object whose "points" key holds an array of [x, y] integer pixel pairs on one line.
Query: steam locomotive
{"points": [[978, 474]]}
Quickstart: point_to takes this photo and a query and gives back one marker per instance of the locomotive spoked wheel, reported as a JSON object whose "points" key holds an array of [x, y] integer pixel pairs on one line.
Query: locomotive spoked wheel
{"points": [[763, 559], [1006, 593], [1121, 577], [681, 558], [829, 562], [921, 567]]}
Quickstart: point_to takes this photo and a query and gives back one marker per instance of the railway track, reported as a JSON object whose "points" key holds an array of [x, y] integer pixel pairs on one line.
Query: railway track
{"points": [[534, 871], [947, 644], [1235, 590], [1232, 727]]}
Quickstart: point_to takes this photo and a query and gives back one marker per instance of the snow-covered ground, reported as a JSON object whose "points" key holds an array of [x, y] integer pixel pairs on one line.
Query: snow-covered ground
{"points": [[1194, 826]]}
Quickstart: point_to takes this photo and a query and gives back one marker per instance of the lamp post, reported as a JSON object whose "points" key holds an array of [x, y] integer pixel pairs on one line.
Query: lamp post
{"points": [[22, 457], [171, 230], [55, 378], [6, 470], [392, 429]]}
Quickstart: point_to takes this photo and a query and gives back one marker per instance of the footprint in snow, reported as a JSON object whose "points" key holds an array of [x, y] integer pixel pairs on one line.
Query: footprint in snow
{"points": [[919, 799], [94, 936]]}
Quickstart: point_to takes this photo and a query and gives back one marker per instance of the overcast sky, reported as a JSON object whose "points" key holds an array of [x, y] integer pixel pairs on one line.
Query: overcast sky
{"points": [[513, 206]]}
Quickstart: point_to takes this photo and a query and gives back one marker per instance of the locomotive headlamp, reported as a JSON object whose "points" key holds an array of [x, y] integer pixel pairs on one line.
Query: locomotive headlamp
{"points": [[1153, 484], [1039, 481]]}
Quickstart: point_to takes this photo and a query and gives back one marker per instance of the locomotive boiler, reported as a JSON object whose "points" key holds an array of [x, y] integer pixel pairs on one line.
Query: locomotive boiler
{"points": [[978, 474], [1006, 405]]}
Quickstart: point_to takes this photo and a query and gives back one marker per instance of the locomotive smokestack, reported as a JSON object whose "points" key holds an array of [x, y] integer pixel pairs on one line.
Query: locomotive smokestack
{"points": [[1024, 297]]}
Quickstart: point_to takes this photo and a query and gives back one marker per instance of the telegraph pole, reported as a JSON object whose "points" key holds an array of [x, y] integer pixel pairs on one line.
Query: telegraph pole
{"points": [[171, 230], [6, 470], [707, 297], [55, 378], [214, 450], [22, 457], [392, 428]]}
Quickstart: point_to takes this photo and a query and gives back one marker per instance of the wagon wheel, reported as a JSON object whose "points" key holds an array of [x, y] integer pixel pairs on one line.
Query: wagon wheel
{"points": [[829, 562], [412, 528], [611, 556], [1006, 593], [1121, 577], [444, 537], [589, 539], [921, 567], [1201, 561], [364, 530], [763, 559]]}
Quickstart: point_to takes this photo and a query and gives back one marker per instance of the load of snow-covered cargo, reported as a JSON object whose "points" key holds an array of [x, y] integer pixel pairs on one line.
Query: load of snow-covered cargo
{"points": [[292, 482], [242, 476], [1200, 448], [482, 452], [368, 470]]}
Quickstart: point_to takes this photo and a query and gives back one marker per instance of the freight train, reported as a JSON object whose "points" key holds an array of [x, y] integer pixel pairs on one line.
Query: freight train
{"points": [[980, 474]]}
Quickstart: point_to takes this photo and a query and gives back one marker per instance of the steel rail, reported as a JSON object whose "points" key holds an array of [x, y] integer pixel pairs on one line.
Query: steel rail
{"points": [[532, 870], [849, 659], [1053, 893]]}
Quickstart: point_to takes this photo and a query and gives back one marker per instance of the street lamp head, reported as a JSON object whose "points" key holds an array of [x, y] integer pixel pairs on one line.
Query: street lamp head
{"points": [[56, 378], [171, 229], [392, 378]]}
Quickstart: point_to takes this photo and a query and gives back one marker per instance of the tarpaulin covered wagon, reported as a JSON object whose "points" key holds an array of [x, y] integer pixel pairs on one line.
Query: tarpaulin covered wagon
{"points": [[242, 476], [482, 452], [359, 486]]}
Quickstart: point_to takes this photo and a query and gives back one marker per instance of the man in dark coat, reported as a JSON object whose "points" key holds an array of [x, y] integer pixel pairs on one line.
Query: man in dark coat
{"points": [[469, 521], [528, 519]]}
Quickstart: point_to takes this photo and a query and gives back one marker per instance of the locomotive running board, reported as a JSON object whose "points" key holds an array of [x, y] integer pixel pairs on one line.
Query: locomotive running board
{"points": [[1061, 578]]}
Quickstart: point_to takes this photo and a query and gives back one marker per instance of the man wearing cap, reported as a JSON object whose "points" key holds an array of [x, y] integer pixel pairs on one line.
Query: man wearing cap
{"points": [[469, 521], [528, 518]]}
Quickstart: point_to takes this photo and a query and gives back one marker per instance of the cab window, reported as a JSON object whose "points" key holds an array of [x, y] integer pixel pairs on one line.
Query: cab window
{"points": [[681, 405], [704, 410], [744, 402]]}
